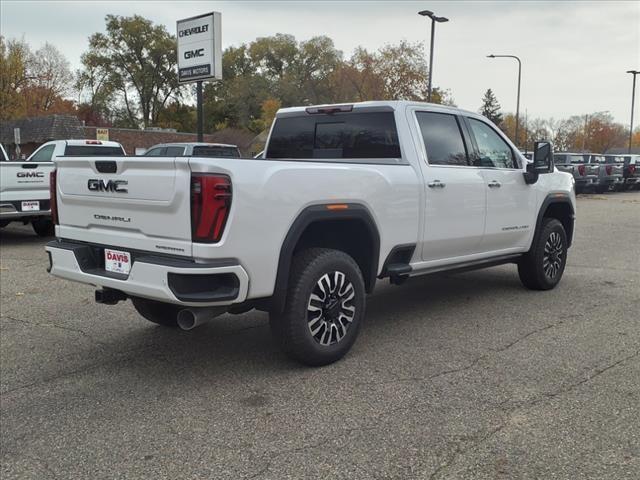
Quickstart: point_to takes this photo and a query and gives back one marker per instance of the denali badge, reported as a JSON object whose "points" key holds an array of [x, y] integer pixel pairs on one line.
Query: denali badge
{"points": [[97, 185]]}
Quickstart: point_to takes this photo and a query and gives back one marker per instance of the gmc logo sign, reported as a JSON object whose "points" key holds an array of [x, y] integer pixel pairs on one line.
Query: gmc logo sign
{"points": [[194, 53], [97, 185], [30, 174]]}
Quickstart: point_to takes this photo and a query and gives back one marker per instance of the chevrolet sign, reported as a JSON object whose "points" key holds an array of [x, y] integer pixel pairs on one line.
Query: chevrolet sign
{"points": [[199, 48]]}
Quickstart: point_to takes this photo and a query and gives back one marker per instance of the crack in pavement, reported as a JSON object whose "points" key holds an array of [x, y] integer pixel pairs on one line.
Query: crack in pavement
{"points": [[127, 355], [61, 327], [459, 451]]}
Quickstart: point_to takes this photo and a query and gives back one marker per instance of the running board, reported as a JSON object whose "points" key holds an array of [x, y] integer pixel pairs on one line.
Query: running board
{"points": [[468, 266]]}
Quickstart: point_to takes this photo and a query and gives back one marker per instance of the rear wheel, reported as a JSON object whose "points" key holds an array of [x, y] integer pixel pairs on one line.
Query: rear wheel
{"points": [[542, 267], [165, 314], [43, 227], [324, 308]]}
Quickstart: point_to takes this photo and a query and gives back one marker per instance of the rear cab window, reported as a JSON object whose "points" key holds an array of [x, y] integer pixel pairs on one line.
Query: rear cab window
{"points": [[92, 151], [215, 151], [344, 135], [578, 158]]}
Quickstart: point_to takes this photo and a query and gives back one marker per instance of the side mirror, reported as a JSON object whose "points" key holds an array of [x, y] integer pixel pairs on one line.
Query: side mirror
{"points": [[543, 157], [542, 162]]}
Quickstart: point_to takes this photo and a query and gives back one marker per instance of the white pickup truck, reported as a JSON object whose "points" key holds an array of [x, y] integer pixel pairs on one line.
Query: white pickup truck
{"points": [[345, 195], [24, 186]]}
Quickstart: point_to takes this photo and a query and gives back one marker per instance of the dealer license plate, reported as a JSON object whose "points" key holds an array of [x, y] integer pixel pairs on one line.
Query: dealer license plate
{"points": [[31, 206], [117, 261]]}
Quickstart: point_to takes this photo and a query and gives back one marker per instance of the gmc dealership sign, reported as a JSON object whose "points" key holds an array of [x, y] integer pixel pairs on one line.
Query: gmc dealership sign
{"points": [[199, 48]]}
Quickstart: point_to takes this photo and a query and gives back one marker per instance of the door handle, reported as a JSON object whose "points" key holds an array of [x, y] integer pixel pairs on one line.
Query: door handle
{"points": [[436, 184], [494, 184]]}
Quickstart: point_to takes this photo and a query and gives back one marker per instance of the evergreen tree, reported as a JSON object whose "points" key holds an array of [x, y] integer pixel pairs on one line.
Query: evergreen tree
{"points": [[491, 108]]}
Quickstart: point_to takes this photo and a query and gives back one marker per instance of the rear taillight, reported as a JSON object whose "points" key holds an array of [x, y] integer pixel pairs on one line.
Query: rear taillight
{"points": [[632, 169], [581, 169], [53, 197], [210, 204], [608, 169]]}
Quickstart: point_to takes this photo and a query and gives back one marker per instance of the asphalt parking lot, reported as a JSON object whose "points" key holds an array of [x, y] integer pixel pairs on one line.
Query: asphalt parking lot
{"points": [[458, 376]]}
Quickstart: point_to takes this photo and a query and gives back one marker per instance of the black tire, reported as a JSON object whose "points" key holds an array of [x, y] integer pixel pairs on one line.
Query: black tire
{"points": [[43, 227], [600, 189], [542, 267], [313, 272], [165, 314]]}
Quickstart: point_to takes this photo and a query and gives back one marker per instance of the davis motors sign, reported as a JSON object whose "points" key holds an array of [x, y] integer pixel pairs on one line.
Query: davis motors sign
{"points": [[199, 48]]}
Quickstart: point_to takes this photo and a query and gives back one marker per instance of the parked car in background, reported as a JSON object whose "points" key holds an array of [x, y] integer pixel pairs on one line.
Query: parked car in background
{"points": [[215, 150], [585, 173], [610, 175], [631, 172], [24, 186], [75, 148]]}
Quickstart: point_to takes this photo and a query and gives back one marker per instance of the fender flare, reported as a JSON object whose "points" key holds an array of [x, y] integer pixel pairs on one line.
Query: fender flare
{"points": [[554, 198], [319, 213]]}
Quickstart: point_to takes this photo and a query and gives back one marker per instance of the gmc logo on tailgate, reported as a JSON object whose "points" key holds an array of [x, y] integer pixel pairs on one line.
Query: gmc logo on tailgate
{"points": [[97, 185]]}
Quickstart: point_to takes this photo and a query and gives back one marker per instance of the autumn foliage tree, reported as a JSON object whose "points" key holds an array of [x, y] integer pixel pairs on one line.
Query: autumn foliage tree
{"points": [[33, 83]]}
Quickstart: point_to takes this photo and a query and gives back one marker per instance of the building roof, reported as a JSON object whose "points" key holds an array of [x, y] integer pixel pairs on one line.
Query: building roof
{"points": [[42, 129]]}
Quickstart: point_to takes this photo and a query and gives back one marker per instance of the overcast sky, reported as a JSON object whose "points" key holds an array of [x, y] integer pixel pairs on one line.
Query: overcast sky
{"points": [[574, 54]]}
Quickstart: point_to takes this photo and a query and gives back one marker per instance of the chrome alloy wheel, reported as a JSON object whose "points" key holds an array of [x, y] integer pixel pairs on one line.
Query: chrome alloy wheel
{"points": [[552, 258], [330, 310]]}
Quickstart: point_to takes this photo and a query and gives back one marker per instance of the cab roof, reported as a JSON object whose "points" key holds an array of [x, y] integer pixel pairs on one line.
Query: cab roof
{"points": [[374, 104], [193, 144]]}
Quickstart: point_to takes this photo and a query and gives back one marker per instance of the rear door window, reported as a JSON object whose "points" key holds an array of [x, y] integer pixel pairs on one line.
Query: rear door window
{"points": [[442, 138], [363, 135], [92, 151], [44, 154]]}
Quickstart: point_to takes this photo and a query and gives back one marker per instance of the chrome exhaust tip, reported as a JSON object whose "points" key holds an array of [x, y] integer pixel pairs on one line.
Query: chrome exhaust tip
{"points": [[190, 318]]}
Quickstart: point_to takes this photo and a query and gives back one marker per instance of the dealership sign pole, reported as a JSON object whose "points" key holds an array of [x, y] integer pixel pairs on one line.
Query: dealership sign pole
{"points": [[199, 54]]}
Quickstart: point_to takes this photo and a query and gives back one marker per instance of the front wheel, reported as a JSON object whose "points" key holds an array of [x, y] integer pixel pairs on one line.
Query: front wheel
{"points": [[324, 307], [542, 267]]}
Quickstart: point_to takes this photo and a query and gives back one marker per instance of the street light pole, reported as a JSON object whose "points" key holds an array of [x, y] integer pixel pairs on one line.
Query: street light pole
{"points": [[633, 101], [434, 19], [518, 100]]}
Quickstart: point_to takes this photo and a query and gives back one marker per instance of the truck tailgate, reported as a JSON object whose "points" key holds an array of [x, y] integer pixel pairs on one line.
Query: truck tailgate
{"points": [[24, 180], [138, 203]]}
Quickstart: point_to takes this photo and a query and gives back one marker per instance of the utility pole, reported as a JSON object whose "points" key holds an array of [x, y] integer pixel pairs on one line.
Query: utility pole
{"points": [[633, 101], [434, 19], [518, 99]]}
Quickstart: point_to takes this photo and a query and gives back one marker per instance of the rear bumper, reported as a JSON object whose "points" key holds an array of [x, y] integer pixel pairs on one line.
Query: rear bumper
{"points": [[165, 279], [586, 181], [12, 211], [612, 180]]}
